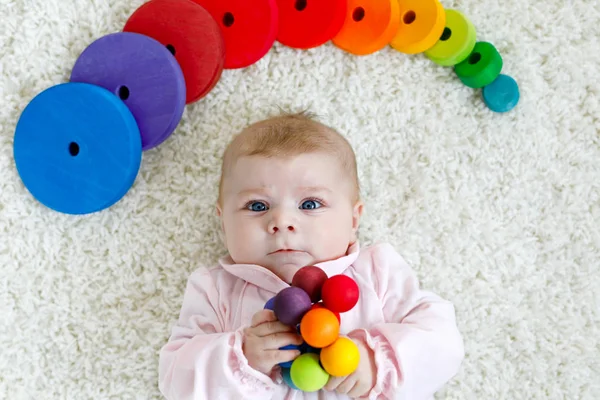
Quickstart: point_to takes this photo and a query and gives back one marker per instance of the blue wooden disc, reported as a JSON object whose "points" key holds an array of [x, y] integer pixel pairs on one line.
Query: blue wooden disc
{"points": [[502, 95], [77, 148]]}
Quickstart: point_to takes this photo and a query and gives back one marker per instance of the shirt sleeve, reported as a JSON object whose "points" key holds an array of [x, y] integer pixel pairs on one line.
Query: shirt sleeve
{"points": [[418, 348], [201, 360]]}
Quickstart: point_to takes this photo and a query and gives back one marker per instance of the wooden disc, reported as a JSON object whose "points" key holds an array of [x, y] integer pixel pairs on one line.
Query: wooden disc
{"points": [[249, 28], [77, 148], [304, 24], [191, 34], [142, 73], [370, 25], [421, 25]]}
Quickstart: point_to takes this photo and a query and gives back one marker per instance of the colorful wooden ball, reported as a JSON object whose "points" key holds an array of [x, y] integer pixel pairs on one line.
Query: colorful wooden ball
{"points": [[321, 305], [144, 74], [502, 95], [481, 68], [319, 327], [290, 305], [421, 25], [311, 280], [456, 42], [249, 28], [304, 24], [77, 148], [270, 304], [288, 364], [191, 34], [369, 26], [287, 378], [340, 293], [340, 358], [307, 373]]}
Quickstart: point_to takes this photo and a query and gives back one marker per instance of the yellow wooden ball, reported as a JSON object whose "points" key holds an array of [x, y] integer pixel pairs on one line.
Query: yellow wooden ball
{"points": [[341, 358]]}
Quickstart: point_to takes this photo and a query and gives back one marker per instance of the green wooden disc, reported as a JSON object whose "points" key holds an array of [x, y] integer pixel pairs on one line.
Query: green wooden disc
{"points": [[457, 40], [482, 66]]}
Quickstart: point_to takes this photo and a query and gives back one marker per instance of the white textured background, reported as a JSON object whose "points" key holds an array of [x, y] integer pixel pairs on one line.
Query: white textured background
{"points": [[499, 213]]}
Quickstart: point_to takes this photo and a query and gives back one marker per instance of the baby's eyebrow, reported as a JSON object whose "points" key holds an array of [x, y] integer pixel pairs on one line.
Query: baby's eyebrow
{"points": [[315, 189], [248, 192]]}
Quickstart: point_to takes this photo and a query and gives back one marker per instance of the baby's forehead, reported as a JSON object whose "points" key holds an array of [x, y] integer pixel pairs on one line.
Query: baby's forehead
{"points": [[316, 169]]}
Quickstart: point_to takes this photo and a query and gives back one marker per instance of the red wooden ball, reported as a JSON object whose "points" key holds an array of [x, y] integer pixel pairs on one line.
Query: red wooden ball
{"points": [[340, 293], [311, 280]]}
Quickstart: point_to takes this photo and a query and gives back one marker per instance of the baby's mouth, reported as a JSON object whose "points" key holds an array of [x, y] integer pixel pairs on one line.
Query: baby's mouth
{"points": [[285, 251]]}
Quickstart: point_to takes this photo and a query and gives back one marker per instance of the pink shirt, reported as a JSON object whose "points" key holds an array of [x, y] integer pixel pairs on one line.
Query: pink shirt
{"points": [[413, 333]]}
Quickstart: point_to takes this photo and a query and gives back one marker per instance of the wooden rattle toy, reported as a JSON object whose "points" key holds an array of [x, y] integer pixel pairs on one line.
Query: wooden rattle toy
{"points": [[324, 352]]}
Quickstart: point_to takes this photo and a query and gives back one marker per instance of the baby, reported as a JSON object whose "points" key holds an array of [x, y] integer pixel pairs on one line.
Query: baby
{"points": [[288, 198]]}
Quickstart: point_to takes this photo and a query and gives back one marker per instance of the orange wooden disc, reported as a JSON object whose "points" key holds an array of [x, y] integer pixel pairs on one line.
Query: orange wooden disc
{"points": [[370, 25], [191, 34], [421, 25]]}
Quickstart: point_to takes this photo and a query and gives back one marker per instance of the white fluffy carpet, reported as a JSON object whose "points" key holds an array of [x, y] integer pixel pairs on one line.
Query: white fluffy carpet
{"points": [[499, 213]]}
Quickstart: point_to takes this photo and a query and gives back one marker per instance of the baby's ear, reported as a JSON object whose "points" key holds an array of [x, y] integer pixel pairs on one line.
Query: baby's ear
{"points": [[220, 216], [356, 215]]}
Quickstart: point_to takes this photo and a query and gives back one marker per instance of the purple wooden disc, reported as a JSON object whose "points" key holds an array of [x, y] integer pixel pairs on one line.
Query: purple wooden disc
{"points": [[144, 74]]}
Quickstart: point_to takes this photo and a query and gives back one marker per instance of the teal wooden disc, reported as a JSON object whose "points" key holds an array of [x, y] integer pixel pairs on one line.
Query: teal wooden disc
{"points": [[502, 95]]}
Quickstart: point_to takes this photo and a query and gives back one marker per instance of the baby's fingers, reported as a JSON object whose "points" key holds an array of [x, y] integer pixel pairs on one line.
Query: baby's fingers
{"points": [[262, 317], [334, 382], [271, 328], [281, 356], [278, 340]]}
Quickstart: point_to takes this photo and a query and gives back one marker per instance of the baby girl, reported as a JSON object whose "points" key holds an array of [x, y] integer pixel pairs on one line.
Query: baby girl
{"points": [[289, 198]]}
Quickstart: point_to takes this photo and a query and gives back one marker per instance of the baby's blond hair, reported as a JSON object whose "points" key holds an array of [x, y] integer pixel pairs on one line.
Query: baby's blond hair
{"points": [[290, 135]]}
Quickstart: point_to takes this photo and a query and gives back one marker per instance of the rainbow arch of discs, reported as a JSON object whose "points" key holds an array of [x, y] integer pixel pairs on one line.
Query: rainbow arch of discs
{"points": [[78, 145]]}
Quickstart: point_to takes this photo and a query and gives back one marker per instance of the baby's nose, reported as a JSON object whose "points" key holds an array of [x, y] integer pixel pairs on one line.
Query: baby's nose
{"points": [[273, 228]]}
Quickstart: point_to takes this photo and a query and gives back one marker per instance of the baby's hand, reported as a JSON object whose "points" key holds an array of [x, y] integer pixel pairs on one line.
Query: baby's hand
{"points": [[263, 340], [362, 381]]}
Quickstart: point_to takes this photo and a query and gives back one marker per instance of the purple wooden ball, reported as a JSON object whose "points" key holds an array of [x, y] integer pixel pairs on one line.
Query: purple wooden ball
{"points": [[291, 304]]}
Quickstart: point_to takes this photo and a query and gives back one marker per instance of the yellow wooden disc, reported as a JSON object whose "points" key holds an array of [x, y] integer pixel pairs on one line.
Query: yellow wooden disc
{"points": [[421, 25]]}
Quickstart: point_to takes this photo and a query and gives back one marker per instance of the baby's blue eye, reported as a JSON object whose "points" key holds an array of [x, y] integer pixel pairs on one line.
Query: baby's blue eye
{"points": [[311, 205], [257, 206]]}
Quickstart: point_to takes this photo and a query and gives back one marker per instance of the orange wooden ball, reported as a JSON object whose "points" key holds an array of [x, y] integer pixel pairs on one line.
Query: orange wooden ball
{"points": [[321, 305], [319, 328]]}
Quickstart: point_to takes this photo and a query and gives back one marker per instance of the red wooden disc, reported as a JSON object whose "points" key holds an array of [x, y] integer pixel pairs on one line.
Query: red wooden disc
{"points": [[304, 24], [191, 33], [249, 28]]}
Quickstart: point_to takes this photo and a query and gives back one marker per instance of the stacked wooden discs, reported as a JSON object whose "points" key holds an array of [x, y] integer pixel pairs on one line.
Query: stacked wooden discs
{"points": [[78, 145]]}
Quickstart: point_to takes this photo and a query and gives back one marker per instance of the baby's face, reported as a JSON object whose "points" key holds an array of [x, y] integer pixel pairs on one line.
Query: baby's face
{"points": [[286, 213]]}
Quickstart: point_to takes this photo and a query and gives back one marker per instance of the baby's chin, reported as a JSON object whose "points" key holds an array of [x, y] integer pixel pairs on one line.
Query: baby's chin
{"points": [[286, 271]]}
